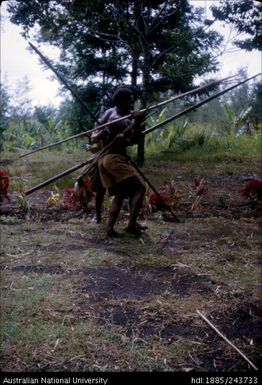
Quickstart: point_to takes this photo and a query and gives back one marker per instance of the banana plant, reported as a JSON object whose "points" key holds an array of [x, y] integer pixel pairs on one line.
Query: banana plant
{"points": [[157, 135], [235, 122], [177, 132]]}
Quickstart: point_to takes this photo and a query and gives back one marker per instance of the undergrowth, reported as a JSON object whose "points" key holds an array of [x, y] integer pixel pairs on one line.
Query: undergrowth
{"points": [[207, 146], [73, 300]]}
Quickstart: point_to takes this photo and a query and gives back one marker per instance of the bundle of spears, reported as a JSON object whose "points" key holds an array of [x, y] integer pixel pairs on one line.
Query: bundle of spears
{"points": [[92, 161]]}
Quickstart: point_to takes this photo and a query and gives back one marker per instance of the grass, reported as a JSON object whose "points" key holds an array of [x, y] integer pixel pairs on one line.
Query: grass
{"points": [[214, 149], [35, 169], [73, 300]]}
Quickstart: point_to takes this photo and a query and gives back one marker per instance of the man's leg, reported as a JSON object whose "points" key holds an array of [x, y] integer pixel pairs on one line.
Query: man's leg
{"points": [[135, 190], [99, 202], [99, 199], [136, 201], [113, 214]]}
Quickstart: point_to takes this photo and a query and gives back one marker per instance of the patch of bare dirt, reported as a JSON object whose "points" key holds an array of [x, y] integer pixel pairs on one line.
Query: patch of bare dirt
{"points": [[244, 322], [113, 282], [143, 325]]}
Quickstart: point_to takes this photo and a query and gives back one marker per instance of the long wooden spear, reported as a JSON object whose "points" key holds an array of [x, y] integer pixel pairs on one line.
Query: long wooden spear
{"points": [[62, 79], [197, 105], [178, 115], [58, 176], [192, 92], [74, 93], [93, 160]]}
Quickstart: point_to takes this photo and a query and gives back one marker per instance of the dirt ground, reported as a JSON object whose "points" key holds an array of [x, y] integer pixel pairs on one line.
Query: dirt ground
{"points": [[74, 300]]}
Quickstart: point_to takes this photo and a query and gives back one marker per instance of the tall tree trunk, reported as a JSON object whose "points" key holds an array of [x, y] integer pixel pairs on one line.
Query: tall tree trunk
{"points": [[141, 145], [134, 72]]}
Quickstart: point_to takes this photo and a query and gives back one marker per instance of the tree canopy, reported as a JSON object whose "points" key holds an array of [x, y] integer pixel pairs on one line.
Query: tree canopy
{"points": [[158, 45], [245, 16], [155, 45]]}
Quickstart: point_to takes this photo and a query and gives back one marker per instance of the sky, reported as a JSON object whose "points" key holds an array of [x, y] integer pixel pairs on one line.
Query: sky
{"points": [[17, 62]]}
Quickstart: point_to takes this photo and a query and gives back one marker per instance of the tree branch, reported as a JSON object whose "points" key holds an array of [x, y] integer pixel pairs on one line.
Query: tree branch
{"points": [[133, 27], [158, 19], [155, 21], [163, 53]]}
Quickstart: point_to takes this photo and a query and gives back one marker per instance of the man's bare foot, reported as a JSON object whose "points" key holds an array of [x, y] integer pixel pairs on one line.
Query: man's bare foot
{"points": [[131, 229]]}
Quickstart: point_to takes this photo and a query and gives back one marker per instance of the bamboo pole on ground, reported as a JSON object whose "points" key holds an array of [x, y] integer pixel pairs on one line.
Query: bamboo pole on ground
{"points": [[227, 340]]}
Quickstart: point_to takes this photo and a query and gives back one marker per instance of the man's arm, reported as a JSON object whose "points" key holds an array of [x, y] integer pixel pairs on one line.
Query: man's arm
{"points": [[136, 128], [98, 134]]}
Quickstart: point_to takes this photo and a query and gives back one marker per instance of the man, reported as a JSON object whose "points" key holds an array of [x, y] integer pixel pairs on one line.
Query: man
{"points": [[117, 175], [96, 186]]}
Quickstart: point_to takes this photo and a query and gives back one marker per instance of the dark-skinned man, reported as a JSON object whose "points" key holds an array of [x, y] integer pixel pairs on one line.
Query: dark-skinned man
{"points": [[116, 174]]}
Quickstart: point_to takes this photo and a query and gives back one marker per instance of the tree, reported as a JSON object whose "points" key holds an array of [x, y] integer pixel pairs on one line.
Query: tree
{"points": [[5, 105], [245, 16], [256, 97], [155, 45]]}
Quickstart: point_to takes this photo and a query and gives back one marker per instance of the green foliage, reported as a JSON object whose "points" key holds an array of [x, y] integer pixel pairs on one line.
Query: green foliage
{"points": [[109, 41], [204, 136], [235, 123], [198, 144], [30, 133], [26, 128], [229, 113], [155, 135], [5, 102], [256, 100], [245, 15]]}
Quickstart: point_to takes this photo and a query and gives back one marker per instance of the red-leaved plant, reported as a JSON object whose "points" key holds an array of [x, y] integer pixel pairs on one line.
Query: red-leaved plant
{"points": [[252, 190], [69, 198], [78, 196], [158, 202], [4, 184], [169, 196], [201, 190]]}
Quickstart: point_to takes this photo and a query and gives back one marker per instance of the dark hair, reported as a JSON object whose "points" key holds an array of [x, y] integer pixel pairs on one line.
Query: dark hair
{"points": [[121, 94]]}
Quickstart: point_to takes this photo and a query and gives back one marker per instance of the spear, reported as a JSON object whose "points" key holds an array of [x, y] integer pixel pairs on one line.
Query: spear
{"points": [[62, 79], [178, 115], [197, 105], [198, 89], [58, 176], [164, 204], [74, 93], [93, 160]]}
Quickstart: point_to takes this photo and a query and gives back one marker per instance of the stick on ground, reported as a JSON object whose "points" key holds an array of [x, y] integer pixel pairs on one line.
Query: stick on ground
{"points": [[227, 340]]}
